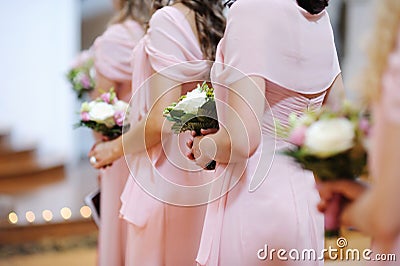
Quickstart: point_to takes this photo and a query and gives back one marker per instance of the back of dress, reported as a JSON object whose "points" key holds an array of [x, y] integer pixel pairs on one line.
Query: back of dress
{"points": [[291, 49], [294, 52]]}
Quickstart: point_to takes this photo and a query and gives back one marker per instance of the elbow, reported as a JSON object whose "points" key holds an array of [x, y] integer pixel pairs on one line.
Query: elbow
{"points": [[245, 149], [154, 128]]}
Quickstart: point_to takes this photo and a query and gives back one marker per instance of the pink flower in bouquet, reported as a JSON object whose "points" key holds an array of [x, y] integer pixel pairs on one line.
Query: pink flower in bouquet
{"points": [[106, 97], [85, 116], [109, 98], [298, 135], [85, 82], [119, 118], [364, 126]]}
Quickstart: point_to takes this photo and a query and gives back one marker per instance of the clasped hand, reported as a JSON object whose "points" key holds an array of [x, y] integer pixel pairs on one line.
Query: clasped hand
{"points": [[105, 153], [201, 158]]}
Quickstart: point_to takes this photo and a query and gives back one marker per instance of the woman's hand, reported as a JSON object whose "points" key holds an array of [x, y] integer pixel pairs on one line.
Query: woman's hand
{"points": [[351, 190], [190, 144], [201, 155], [103, 154], [194, 145]]}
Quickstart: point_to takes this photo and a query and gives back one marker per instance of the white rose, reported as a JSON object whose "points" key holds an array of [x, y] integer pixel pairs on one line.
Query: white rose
{"points": [[100, 112], [120, 106], [328, 137], [193, 100]]}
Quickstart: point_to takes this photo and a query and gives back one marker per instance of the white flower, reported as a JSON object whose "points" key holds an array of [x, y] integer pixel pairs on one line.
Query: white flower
{"points": [[120, 106], [79, 77], [100, 112], [329, 137], [193, 100]]}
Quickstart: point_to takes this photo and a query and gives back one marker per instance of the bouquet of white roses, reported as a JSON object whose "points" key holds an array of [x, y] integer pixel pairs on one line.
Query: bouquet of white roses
{"points": [[194, 111], [330, 143], [82, 74], [105, 115]]}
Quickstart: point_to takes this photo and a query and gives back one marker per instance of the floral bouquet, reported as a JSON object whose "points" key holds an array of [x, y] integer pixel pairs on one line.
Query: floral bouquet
{"points": [[105, 115], [332, 144], [82, 74], [194, 111]]}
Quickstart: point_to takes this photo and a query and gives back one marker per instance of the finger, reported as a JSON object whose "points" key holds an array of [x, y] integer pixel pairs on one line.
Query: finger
{"points": [[99, 165], [350, 189], [325, 191], [189, 144], [208, 131], [106, 166], [194, 134], [190, 156], [321, 206], [91, 152]]}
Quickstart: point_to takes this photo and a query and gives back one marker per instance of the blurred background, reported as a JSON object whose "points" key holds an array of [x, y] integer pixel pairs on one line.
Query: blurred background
{"points": [[44, 171]]}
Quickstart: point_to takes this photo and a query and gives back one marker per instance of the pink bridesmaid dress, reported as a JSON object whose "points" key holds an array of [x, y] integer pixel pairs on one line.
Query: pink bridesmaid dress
{"points": [[294, 52], [386, 111], [164, 226], [112, 53]]}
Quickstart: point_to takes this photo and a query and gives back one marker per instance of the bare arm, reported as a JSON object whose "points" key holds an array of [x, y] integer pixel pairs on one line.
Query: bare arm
{"points": [[146, 133], [336, 93], [240, 133], [376, 212], [102, 84]]}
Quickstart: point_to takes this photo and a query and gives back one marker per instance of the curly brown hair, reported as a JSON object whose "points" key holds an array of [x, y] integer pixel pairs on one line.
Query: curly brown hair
{"points": [[210, 22], [138, 10]]}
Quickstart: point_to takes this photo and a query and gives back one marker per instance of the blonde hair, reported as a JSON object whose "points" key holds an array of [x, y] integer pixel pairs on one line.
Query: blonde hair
{"points": [[381, 44], [138, 10]]}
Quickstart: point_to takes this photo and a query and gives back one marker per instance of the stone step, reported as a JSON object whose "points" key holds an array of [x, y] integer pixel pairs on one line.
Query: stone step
{"points": [[27, 177], [14, 157], [4, 136]]}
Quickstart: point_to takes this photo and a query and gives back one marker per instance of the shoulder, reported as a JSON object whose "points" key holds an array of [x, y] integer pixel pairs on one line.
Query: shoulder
{"points": [[121, 30], [263, 9], [163, 15], [255, 5], [125, 32]]}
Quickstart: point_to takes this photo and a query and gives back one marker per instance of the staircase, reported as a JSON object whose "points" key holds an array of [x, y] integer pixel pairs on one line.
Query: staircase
{"points": [[22, 170]]}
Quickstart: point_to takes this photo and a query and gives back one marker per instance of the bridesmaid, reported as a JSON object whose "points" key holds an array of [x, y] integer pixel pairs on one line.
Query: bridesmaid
{"points": [[112, 52], [276, 58], [374, 210], [164, 226]]}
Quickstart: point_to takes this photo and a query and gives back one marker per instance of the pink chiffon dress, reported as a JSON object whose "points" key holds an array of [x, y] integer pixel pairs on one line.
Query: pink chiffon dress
{"points": [[112, 53], [294, 52], [159, 200], [386, 111]]}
